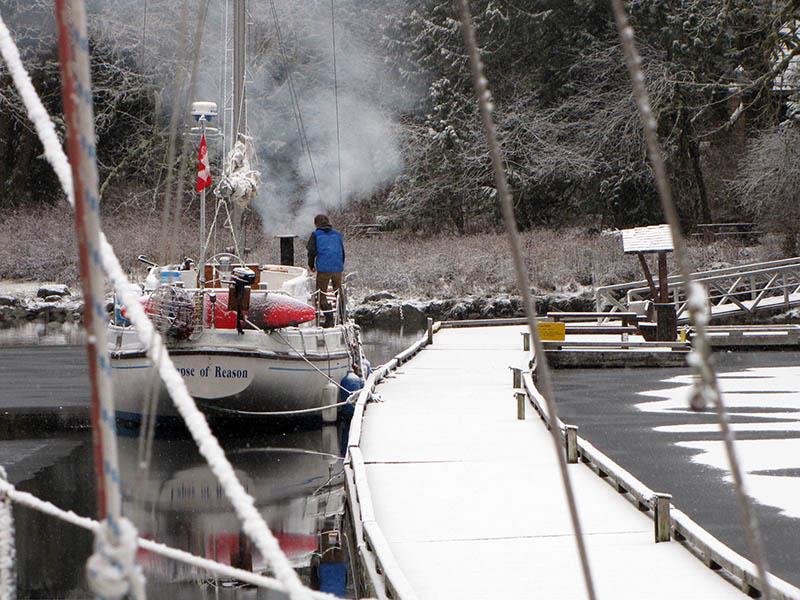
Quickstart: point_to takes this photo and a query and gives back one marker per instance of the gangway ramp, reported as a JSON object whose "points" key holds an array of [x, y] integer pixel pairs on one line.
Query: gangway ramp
{"points": [[738, 290], [454, 497]]}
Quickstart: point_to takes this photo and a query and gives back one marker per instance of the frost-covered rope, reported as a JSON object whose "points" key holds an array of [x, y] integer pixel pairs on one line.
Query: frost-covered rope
{"points": [[253, 523], [8, 575], [36, 110], [48, 508], [303, 357], [111, 570], [707, 389], [285, 413], [481, 86]]}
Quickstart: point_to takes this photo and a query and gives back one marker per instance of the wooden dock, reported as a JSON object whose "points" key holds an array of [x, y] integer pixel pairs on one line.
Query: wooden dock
{"points": [[754, 336], [452, 496]]}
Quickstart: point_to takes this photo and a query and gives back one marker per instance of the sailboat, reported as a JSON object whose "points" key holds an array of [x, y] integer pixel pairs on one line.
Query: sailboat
{"points": [[249, 339]]}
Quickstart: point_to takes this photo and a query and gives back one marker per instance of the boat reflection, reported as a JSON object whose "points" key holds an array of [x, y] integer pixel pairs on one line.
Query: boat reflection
{"points": [[295, 478]]}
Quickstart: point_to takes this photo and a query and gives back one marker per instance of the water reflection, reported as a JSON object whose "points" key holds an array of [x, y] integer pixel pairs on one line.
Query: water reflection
{"points": [[37, 333], [382, 344], [294, 476], [295, 479]]}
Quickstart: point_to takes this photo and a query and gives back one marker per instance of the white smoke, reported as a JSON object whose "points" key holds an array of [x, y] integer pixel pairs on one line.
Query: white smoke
{"points": [[291, 193]]}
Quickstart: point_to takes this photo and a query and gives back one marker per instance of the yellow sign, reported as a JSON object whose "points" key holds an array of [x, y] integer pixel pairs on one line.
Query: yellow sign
{"points": [[555, 332]]}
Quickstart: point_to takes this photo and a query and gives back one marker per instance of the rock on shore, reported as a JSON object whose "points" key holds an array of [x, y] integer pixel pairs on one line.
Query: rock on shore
{"points": [[388, 312], [14, 311], [379, 309]]}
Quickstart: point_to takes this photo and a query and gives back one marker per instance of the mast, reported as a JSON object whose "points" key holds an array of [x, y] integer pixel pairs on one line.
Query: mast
{"points": [[201, 264], [239, 41], [239, 107]]}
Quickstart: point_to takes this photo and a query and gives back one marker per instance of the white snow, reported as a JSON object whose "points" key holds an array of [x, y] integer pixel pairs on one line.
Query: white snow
{"points": [[470, 499], [780, 491], [767, 388]]}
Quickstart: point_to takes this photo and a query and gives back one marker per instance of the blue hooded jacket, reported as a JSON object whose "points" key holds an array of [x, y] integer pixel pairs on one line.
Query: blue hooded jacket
{"points": [[326, 250]]}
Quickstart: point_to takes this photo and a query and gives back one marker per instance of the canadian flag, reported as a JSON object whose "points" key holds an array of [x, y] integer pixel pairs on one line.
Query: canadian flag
{"points": [[203, 168]]}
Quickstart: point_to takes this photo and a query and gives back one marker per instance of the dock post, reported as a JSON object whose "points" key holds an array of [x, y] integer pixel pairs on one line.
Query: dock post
{"points": [[520, 405], [571, 434], [526, 341], [661, 520], [430, 331], [517, 377]]}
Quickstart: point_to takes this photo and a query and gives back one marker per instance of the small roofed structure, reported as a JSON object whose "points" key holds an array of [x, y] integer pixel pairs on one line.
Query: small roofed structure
{"points": [[655, 239]]}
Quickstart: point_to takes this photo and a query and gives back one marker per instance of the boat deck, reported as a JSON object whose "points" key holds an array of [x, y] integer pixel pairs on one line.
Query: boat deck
{"points": [[470, 501]]}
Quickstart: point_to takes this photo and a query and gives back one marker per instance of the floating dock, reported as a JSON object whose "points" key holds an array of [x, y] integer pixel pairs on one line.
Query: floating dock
{"points": [[735, 337], [452, 495]]}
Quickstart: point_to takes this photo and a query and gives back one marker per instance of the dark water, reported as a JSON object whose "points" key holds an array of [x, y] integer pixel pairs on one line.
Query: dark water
{"points": [[602, 403], [295, 477]]}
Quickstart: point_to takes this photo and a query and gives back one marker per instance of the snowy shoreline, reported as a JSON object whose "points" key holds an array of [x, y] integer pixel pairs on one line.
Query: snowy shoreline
{"points": [[22, 302]]}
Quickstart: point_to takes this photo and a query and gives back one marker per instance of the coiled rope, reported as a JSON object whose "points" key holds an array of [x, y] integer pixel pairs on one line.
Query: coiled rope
{"points": [[111, 570]]}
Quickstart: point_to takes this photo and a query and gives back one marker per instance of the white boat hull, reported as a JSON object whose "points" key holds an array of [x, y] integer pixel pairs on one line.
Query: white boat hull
{"points": [[228, 373]]}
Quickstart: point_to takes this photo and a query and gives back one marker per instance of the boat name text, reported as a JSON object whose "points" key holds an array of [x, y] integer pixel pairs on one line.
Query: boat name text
{"points": [[215, 372]]}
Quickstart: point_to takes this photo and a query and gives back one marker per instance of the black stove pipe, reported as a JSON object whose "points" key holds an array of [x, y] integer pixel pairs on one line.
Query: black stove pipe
{"points": [[287, 250]]}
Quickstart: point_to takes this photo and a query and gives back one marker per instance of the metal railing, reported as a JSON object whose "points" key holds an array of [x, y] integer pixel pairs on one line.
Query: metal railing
{"points": [[743, 289]]}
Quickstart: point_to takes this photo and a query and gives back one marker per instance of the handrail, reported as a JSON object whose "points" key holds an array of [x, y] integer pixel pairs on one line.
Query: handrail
{"points": [[721, 276], [711, 272], [742, 281]]}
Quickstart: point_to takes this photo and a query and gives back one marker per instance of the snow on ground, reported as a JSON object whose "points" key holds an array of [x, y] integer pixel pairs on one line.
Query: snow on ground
{"points": [[763, 401], [470, 499]]}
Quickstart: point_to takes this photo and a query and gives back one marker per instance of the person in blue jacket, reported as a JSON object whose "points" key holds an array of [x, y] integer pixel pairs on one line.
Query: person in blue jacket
{"points": [[326, 259]]}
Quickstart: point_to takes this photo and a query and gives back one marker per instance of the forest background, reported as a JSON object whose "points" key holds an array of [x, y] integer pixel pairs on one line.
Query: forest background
{"points": [[723, 76]]}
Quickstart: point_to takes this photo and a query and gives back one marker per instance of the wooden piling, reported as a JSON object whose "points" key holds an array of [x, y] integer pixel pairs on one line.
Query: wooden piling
{"points": [[516, 377], [430, 331], [520, 405], [661, 519], [571, 432], [526, 341]]}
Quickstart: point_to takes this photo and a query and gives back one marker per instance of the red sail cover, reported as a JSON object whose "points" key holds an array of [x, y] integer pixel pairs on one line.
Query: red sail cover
{"points": [[272, 311], [267, 311]]}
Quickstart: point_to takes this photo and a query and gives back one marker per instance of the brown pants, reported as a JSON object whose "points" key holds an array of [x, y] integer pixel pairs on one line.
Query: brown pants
{"points": [[323, 279]]}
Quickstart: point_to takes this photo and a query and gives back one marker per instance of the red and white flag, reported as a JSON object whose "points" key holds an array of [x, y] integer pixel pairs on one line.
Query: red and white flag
{"points": [[203, 167]]}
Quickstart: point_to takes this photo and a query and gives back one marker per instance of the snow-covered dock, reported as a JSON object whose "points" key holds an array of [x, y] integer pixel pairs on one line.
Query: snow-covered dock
{"points": [[453, 497]]}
